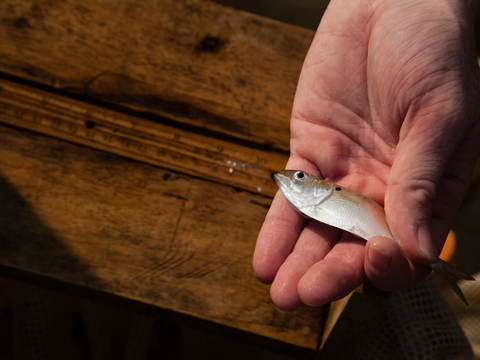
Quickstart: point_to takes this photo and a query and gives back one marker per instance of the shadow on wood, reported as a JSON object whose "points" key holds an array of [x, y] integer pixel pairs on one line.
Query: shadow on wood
{"points": [[26, 242], [150, 235]]}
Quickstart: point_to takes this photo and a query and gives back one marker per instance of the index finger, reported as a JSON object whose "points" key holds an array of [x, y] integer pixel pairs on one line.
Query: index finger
{"points": [[277, 238]]}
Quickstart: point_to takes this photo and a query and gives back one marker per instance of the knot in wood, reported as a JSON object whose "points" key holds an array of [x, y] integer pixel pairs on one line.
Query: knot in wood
{"points": [[210, 44]]}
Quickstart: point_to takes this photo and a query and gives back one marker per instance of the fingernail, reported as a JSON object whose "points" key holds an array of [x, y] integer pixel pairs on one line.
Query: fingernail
{"points": [[425, 242], [282, 311], [379, 258]]}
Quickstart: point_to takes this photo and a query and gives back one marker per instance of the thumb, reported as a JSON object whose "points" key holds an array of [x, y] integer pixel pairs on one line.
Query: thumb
{"points": [[408, 204], [412, 188]]}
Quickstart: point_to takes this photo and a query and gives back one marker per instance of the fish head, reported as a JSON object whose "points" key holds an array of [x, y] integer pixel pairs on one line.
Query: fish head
{"points": [[302, 189]]}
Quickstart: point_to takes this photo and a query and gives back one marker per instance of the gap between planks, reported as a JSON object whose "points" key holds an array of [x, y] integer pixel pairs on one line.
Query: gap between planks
{"points": [[138, 139]]}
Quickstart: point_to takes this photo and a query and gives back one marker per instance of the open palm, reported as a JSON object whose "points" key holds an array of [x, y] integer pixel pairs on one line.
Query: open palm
{"points": [[386, 106]]}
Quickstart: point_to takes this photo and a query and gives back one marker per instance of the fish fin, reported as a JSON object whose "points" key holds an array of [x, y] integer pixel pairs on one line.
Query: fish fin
{"points": [[447, 272]]}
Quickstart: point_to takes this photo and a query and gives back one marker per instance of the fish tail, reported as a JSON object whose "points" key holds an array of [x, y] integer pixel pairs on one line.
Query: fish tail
{"points": [[448, 273]]}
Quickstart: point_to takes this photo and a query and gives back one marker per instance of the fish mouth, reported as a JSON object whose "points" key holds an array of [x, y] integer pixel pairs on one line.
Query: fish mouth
{"points": [[280, 178], [284, 178], [285, 182]]}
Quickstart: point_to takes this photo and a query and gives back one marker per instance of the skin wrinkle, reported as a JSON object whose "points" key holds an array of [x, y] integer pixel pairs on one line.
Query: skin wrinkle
{"points": [[296, 116], [433, 75], [407, 76], [345, 96], [413, 40], [360, 91], [438, 104], [369, 147], [406, 86], [408, 66], [422, 179], [362, 33], [306, 255], [444, 86], [347, 36], [342, 267], [285, 220], [418, 88], [435, 152], [362, 44]]}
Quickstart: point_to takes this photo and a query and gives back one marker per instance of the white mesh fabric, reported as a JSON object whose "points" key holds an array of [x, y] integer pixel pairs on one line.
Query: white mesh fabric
{"points": [[417, 325], [468, 316]]}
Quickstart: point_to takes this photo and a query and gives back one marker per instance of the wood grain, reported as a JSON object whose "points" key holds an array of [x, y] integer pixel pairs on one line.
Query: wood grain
{"points": [[98, 221], [193, 61], [101, 222], [146, 141]]}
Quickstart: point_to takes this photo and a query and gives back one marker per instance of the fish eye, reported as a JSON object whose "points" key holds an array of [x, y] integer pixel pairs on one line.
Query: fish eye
{"points": [[300, 175]]}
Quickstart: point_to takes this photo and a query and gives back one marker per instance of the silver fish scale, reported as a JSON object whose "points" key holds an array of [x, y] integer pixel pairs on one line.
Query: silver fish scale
{"points": [[350, 211], [353, 216]]}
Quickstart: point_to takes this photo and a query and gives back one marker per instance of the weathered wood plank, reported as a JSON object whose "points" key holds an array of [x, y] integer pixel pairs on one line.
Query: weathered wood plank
{"points": [[143, 233], [190, 60], [99, 221], [138, 139]]}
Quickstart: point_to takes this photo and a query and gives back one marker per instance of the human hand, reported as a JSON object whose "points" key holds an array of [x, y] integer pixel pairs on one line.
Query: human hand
{"points": [[386, 105]]}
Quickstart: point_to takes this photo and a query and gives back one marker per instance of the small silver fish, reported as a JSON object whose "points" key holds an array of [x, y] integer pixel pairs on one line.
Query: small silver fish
{"points": [[350, 211]]}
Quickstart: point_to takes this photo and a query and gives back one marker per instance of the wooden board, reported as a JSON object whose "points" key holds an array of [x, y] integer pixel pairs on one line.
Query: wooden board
{"points": [[223, 79], [194, 61], [143, 233], [147, 141]]}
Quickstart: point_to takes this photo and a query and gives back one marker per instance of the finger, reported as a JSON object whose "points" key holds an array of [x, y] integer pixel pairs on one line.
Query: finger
{"points": [[388, 268], [314, 243], [337, 275], [280, 230], [454, 185], [276, 238], [425, 146]]}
